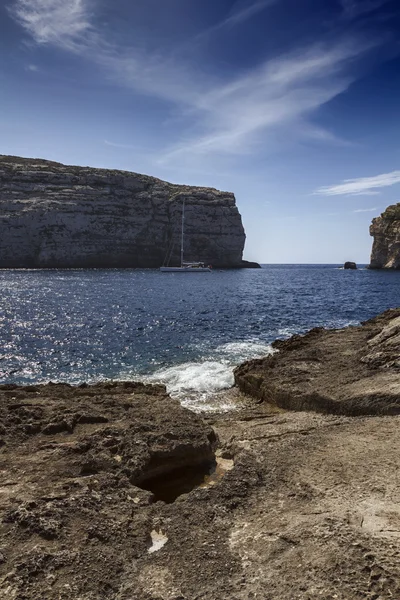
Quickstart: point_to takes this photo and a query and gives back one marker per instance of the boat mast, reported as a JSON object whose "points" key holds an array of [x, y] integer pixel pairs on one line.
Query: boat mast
{"points": [[183, 224]]}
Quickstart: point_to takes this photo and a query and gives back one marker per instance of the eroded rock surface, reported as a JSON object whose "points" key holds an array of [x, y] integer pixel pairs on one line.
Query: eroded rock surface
{"points": [[308, 507], [351, 371], [326, 521], [78, 465], [386, 233], [53, 215]]}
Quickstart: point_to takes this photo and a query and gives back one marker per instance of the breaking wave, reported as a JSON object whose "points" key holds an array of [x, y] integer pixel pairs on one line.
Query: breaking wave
{"points": [[198, 384]]}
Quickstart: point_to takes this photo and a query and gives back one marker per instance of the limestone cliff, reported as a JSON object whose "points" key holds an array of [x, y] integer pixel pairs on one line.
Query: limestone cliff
{"points": [[53, 215], [386, 233]]}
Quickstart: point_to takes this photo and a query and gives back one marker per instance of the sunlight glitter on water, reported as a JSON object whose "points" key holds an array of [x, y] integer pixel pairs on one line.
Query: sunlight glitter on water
{"points": [[189, 333]]}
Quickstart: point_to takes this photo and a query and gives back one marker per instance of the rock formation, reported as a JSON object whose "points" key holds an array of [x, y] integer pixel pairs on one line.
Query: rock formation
{"points": [[88, 479], [349, 265], [386, 233], [52, 215], [249, 264], [306, 506], [100, 496], [351, 371]]}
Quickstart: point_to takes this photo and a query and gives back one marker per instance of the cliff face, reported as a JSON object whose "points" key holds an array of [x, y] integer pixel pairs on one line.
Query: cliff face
{"points": [[386, 233], [52, 215]]}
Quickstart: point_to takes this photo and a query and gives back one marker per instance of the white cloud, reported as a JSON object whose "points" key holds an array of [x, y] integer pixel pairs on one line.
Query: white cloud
{"points": [[365, 193], [364, 186], [222, 116], [362, 210], [53, 21], [282, 92]]}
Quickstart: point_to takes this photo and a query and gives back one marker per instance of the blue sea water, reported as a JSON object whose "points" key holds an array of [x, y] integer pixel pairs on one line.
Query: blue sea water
{"points": [[186, 330]]}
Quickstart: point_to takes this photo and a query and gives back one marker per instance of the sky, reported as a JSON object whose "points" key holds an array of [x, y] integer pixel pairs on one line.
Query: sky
{"points": [[293, 105]]}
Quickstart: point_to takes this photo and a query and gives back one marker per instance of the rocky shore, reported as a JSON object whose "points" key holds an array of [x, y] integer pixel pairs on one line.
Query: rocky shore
{"points": [[115, 491], [351, 371]]}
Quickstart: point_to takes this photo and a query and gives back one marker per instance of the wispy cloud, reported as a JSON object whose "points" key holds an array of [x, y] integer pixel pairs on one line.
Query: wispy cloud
{"points": [[116, 145], [239, 14], [222, 116], [355, 8], [364, 186], [317, 134], [282, 92], [365, 193], [52, 21], [362, 210], [244, 11]]}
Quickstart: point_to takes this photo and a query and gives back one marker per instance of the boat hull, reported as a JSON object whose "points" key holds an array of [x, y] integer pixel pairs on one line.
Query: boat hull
{"points": [[185, 269]]}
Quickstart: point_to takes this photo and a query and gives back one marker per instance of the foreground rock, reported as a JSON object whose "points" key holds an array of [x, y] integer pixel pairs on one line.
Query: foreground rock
{"points": [[53, 215], [386, 233], [78, 465], [325, 524], [308, 507], [351, 371]]}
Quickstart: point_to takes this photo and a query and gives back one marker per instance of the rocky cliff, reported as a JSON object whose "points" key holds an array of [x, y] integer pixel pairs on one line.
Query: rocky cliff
{"points": [[386, 233], [53, 215]]}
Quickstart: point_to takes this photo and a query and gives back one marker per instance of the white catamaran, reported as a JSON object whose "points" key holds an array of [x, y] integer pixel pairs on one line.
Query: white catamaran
{"points": [[186, 267]]}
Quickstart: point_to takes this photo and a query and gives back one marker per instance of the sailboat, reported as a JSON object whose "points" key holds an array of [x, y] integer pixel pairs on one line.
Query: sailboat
{"points": [[186, 267]]}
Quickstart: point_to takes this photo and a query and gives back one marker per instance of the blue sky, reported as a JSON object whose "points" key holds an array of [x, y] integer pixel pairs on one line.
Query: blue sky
{"points": [[291, 104]]}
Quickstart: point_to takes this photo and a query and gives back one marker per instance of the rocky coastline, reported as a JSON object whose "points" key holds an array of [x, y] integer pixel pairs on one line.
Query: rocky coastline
{"points": [[59, 216], [351, 371], [385, 230], [116, 491]]}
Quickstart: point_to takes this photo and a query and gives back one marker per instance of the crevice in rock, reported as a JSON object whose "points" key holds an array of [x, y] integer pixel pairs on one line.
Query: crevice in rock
{"points": [[169, 486]]}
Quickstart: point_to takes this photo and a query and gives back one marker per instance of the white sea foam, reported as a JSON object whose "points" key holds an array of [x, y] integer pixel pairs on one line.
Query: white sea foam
{"points": [[237, 352], [287, 332], [198, 385], [200, 378]]}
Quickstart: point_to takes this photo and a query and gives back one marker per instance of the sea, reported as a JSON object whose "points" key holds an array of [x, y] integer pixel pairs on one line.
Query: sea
{"points": [[187, 331]]}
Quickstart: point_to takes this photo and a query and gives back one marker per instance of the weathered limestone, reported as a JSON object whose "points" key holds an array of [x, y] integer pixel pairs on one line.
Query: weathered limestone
{"points": [[308, 506], [52, 215], [350, 371], [386, 233]]}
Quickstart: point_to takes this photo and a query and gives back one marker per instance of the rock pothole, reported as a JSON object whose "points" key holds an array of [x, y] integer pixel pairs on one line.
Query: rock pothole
{"points": [[168, 487]]}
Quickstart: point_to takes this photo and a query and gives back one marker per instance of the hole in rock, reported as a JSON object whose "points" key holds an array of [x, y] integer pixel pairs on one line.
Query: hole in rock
{"points": [[169, 486]]}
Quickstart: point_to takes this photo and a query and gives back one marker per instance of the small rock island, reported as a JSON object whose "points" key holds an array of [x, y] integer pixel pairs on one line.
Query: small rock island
{"points": [[350, 265], [386, 233], [58, 216]]}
